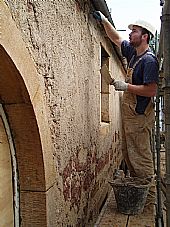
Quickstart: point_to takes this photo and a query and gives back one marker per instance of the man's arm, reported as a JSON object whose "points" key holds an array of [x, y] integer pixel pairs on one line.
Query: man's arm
{"points": [[112, 33], [147, 90], [110, 30]]}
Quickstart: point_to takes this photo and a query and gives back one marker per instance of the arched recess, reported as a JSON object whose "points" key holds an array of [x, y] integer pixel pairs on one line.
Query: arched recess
{"points": [[22, 99], [20, 114]]}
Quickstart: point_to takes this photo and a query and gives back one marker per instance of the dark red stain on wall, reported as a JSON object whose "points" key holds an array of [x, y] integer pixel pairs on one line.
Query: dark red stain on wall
{"points": [[80, 176]]}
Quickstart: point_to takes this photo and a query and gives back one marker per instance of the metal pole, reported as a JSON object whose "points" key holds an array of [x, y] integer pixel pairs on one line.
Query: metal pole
{"points": [[166, 54], [159, 216], [159, 213]]}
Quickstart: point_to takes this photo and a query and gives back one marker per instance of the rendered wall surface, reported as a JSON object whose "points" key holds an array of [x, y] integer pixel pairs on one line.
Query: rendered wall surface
{"points": [[64, 43]]}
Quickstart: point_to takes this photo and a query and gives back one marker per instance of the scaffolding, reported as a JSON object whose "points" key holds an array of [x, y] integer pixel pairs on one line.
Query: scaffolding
{"points": [[164, 60]]}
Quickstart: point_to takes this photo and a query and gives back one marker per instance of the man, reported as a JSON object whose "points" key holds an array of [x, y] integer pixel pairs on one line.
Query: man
{"points": [[139, 87]]}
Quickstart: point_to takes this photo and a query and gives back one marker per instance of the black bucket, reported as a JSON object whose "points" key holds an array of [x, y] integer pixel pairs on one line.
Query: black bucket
{"points": [[130, 194]]}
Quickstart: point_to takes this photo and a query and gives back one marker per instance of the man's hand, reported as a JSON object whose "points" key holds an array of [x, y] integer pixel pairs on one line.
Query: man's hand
{"points": [[99, 16], [120, 85]]}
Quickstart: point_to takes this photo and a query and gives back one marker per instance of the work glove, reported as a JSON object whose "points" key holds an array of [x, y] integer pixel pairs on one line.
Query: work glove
{"points": [[99, 16], [120, 85]]}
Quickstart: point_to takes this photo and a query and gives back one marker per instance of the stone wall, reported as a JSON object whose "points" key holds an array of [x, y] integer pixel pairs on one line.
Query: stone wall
{"points": [[64, 43]]}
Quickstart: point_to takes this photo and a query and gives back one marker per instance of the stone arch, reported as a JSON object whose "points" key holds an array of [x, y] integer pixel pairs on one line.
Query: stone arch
{"points": [[22, 99]]}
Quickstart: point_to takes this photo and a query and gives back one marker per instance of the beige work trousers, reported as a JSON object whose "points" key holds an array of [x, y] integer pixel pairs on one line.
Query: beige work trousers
{"points": [[136, 137]]}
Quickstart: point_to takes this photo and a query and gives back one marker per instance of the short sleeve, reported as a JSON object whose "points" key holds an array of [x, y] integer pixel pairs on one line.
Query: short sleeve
{"points": [[151, 70]]}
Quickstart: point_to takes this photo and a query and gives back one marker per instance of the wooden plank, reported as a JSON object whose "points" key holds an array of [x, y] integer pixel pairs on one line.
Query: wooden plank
{"points": [[164, 217], [164, 209], [145, 219], [110, 217]]}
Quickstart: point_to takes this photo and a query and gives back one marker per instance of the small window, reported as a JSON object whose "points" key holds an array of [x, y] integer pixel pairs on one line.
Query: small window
{"points": [[105, 81]]}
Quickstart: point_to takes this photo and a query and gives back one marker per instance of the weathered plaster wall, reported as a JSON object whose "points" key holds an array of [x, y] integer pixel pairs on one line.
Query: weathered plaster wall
{"points": [[64, 40]]}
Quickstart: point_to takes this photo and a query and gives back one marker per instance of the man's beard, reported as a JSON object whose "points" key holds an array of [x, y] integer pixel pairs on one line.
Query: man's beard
{"points": [[136, 43]]}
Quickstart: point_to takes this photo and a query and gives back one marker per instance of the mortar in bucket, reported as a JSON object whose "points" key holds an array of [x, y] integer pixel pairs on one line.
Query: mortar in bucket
{"points": [[130, 194]]}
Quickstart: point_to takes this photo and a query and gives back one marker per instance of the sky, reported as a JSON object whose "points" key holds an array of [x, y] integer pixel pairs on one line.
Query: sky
{"points": [[125, 12]]}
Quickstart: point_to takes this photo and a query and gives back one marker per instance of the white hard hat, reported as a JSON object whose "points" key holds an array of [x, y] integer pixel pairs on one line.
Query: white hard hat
{"points": [[143, 24]]}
